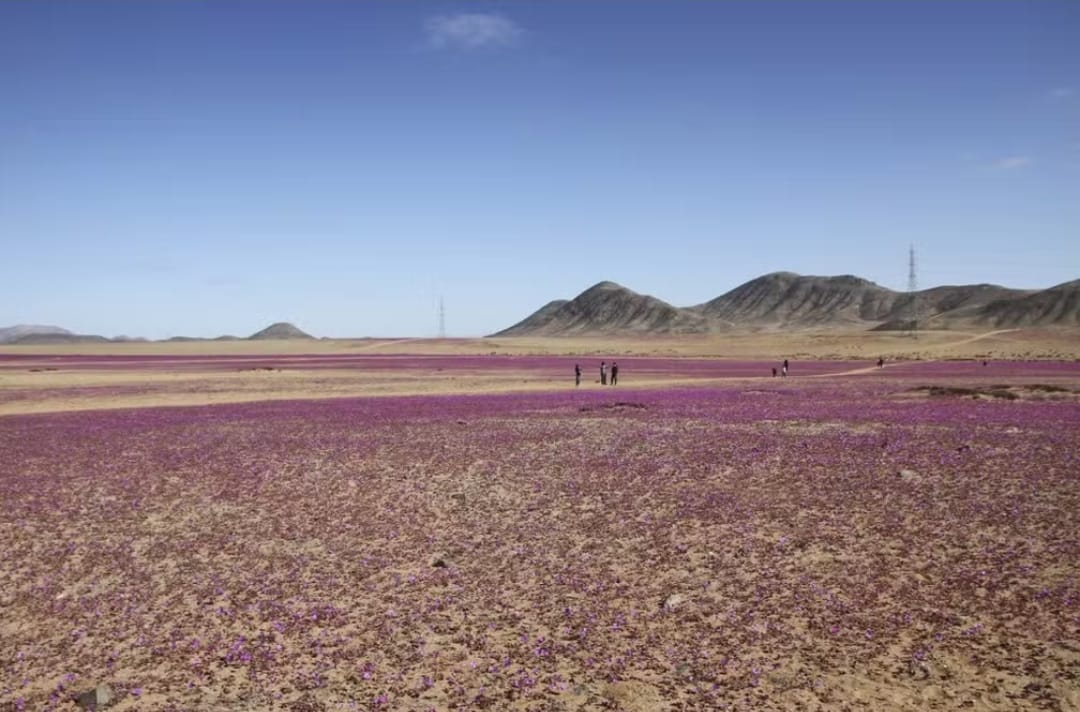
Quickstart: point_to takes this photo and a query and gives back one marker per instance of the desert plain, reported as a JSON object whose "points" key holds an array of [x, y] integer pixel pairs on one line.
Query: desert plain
{"points": [[410, 524]]}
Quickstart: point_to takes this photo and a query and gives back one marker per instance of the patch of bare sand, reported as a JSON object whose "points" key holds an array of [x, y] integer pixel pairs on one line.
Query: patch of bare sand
{"points": [[808, 344], [35, 388], [47, 392]]}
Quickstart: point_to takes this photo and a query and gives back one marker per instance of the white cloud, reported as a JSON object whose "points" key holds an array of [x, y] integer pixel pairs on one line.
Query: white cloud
{"points": [[472, 31], [1012, 162]]}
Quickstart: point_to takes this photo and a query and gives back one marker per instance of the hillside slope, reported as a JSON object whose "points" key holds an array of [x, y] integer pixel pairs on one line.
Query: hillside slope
{"points": [[1057, 306], [12, 334], [607, 308], [789, 299], [785, 300], [280, 330]]}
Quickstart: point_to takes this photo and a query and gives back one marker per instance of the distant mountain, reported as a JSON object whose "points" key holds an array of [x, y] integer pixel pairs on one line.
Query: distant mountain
{"points": [[789, 299], [1057, 306], [184, 339], [946, 307], [280, 330], [785, 300], [68, 338], [608, 308], [11, 334], [542, 320]]}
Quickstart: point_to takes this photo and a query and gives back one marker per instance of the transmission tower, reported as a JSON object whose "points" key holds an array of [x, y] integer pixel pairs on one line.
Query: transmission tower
{"points": [[442, 319], [913, 287]]}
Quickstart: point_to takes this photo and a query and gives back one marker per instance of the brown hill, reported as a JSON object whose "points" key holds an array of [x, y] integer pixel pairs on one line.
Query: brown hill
{"points": [[541, 320], [12, 334], [945, 307], [1057, 306], [280, 330], [787, 300], [608, 308]]}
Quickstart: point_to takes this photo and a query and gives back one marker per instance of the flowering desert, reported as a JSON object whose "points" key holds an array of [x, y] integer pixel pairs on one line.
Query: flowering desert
{"points": [[905, 538]]}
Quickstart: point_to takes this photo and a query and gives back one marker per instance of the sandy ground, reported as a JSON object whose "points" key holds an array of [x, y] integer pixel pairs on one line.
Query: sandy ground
{"points": [[858, 542], [999, 344], [848, 539], [200, 376]]}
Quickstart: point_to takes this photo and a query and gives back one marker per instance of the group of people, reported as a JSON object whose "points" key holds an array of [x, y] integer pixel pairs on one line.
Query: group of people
{"points": [[607, 377], [611, 376], [783, 369]]}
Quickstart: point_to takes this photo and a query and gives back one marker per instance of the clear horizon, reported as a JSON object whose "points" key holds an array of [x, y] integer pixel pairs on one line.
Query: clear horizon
{"points": [[242, 335], [191, 169]]}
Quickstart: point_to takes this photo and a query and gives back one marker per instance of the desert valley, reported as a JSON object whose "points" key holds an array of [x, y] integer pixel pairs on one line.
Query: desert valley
{"points": [[285, 522], [539, 356]]}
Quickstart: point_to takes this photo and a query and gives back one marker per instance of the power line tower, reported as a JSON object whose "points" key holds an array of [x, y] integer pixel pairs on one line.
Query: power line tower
{"points": [[442, 319], [913, 298]]}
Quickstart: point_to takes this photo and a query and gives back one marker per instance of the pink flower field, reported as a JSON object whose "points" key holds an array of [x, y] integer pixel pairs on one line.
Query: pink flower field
{"points": [[906, 539]]}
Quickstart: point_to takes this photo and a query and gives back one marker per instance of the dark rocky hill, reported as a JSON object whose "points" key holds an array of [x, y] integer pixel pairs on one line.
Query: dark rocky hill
{"points": [[1057, 306], [608, 308], [785, 300], [789, 299], [539, 321], [280, 330], [945, 307]]}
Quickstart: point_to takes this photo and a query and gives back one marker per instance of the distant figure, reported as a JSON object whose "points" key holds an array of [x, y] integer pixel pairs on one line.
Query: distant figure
{"points": [[881, 363], [783, 370], [603, 373], [785, 366], [774, 371], [614, 373], [984, 363], [577, 374]]}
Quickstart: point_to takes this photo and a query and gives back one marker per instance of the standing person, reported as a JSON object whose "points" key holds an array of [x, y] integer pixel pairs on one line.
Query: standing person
{"points": [[881, 363], [774, 371], [785, 367], [614, 373], [577, 374], [603, 373]]}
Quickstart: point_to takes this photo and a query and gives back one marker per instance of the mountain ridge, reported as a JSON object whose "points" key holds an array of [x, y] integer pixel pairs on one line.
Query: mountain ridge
{"points": [[280, 330], [787, 300], [773, 301], [608, 307]]}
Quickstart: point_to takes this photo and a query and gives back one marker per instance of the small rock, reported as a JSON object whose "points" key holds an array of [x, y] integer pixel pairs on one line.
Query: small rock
{"points": [[307, 703], [96, 699], [458, 497], [673, 601], [634, 696], [909, 475], [441, 561], [919, 669]]}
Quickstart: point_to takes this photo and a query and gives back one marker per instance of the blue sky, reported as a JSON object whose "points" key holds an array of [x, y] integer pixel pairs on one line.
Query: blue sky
{"points": [[202, 168]]}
